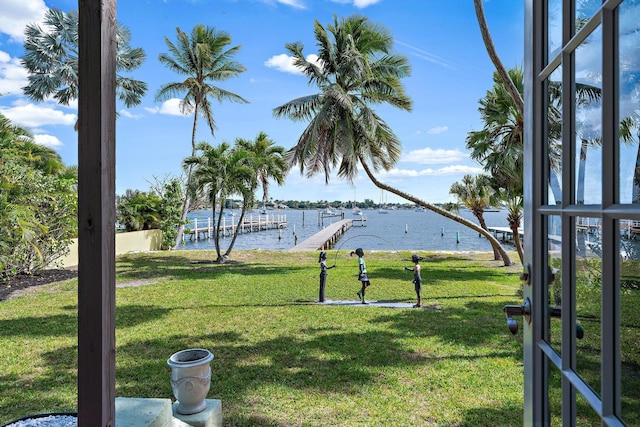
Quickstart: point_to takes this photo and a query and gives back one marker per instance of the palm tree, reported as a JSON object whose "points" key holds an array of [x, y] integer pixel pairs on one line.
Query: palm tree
{"points": [[51, 58], [220, 172], [355, 70], [499, 147], [268, 160], [203, 58], [510, 86], [476, 194]]}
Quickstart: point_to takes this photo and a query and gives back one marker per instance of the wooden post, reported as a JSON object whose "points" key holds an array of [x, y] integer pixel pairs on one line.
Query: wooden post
{"points": [[96, 212]]}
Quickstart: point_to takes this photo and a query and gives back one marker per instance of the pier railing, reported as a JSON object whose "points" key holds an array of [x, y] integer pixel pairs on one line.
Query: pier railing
{"points": [[202, 227]]}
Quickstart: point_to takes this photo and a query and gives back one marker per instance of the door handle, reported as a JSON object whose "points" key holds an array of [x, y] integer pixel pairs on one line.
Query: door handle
{"points": [[523, 310], [557, 312]]}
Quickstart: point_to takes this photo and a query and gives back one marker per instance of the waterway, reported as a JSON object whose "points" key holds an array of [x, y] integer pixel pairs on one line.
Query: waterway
{"points": [[394, 230]]}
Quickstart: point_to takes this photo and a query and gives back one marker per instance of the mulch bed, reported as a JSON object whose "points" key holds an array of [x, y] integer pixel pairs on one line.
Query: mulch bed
{"points": [[23, 283]]}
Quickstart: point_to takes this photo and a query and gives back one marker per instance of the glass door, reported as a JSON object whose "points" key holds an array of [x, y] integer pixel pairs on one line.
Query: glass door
{"points": [[582, 213]]}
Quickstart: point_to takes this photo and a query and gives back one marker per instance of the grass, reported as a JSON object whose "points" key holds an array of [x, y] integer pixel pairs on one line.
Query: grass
{"points": [[280, 359]]}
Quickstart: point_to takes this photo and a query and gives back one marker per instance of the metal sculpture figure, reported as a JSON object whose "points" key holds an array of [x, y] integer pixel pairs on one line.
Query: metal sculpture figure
{"points": [[362, 274], [322, 259], [417, 279]]}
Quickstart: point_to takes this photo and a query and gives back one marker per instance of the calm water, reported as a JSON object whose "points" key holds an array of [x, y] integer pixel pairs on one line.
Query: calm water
{"points": [[396, 230]]}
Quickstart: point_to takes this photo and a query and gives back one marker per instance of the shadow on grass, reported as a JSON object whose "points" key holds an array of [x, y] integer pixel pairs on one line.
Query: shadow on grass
{"points": [[67, 324], [39, 396], [176, 268], [325, 359], [500, 415]]}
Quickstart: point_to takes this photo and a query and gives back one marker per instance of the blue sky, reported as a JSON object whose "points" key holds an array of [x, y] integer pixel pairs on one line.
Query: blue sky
{"points": [[451, 71]]}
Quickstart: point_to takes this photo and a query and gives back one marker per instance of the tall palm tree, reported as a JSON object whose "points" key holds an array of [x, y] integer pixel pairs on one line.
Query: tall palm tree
{"points": [[510, 86], [268, 161], [220, 172], [476, 194], [203, 57], [499, 147], [51, 58], [356, 69]]}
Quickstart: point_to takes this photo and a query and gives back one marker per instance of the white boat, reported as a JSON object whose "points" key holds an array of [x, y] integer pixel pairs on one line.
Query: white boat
{"points": [[382, 209]]}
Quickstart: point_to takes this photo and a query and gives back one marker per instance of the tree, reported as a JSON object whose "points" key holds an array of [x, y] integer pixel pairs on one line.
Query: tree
{"points": [[268, 161], [51, 58], [476, 194], [499, 147], [138, 210], [355, 70], [220, 172], [203, 58], [170, 192], [516, 95], [38, 203], [157, 209]]}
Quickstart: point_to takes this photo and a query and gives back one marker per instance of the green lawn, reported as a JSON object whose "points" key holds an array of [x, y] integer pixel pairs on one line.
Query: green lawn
{"points": [[280, 358]]}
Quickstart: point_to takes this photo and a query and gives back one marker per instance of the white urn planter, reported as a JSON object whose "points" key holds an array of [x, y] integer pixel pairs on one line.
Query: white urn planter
{"points": [[190, 379]]}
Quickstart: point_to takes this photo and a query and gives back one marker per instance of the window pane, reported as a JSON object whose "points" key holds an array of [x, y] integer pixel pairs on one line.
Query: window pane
{"points": [[554, 137], [585, 415], [555, 285], [585, 9], [554, 42], [629, 101], [630, 322], [588, 119], [555, 395], [588, 302]]}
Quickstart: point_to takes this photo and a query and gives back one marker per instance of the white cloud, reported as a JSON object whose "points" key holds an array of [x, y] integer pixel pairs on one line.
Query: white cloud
{"points": [[360, 4], [33, 116], [13, 76], [427, 56], [437, 130], [293, 3], [129, 115], [169, 107], [428, 156], [415, 173], [456, 170], [284, 62], [48, 141], [298, 4], [16, 14]]}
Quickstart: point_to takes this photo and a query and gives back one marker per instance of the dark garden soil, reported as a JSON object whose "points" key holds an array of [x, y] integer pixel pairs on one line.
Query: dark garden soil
{"points": [[25, 283]]}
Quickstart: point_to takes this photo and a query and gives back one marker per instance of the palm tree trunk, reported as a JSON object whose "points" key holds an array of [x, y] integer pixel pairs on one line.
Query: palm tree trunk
{"points": [[493, 55], [496, 247], [183, 218], [581, 171], [517, 242], [503, 254], [554, 183], [514, 218], [216, 235], [235, 233], [187, 198], [635, 194]]}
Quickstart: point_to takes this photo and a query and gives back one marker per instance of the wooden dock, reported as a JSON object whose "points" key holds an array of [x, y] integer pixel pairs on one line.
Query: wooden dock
{"points": [[505, 232], [202, 228], [326, 238]]}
